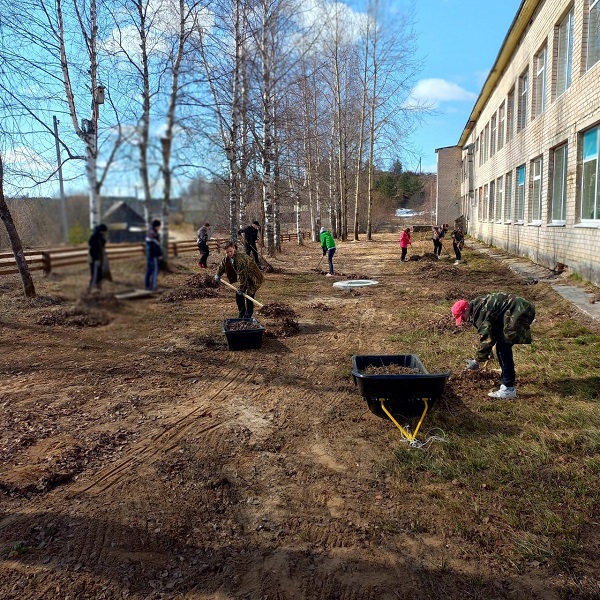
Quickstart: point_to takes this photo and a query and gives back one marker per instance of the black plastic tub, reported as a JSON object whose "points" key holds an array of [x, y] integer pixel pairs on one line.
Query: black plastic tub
{"points": [[243, 339], [403, 394]]}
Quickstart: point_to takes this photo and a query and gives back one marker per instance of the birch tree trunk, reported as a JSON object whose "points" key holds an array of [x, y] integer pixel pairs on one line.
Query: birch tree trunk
{"points": [[167, 139], [267, 131], [372, 110], [341, 167], [88, 131], [144, 121], [361, 139], [15, 240]]}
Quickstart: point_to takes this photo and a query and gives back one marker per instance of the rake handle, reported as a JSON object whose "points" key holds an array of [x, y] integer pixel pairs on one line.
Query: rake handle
{"points": [[256, 302]]}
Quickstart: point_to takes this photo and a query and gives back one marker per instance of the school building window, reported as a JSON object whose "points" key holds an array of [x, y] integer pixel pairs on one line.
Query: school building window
{"points": [[486, 142], [523, 98], [480, 204], [593, 35], [493, 136], [536, 190], [499, 198], [558, 210], [486, 202], [520, 203], [510, 115], [492, 200], [590, 206], [539, 83], [564, 60], [501, 121], [508, 197]]}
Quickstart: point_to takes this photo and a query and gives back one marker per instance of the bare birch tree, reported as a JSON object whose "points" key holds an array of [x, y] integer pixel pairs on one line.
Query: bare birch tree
{"points": [[49, 41], [15, 240]]}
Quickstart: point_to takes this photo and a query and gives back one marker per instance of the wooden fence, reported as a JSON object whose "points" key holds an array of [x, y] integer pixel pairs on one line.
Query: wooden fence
{"points": [[48, 260]]}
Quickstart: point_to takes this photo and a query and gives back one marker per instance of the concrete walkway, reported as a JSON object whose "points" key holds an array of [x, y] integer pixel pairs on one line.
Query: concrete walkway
{"points": [[586, 302]]}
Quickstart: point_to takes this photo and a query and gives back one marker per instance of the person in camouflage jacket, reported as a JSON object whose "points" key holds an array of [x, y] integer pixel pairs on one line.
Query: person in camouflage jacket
{"points": [[241, 268], [501, 320]]}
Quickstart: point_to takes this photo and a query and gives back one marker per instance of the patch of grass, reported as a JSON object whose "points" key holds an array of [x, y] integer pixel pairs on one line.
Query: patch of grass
{"points": [[19, 549], [571, 329]]}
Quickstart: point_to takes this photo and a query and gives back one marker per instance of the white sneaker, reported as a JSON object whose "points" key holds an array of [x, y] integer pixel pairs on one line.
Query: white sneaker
{"points": [[504, 392], [329, 275], [457, 262]]}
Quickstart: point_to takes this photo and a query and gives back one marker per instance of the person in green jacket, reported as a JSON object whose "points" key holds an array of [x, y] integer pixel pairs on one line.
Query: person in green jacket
{"points": [[241, 268], [501, 320], [328, 247]]}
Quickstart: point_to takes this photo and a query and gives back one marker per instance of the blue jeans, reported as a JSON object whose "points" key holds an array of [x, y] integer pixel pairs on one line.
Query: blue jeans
{"points": [[330, 253], [151, 279]]}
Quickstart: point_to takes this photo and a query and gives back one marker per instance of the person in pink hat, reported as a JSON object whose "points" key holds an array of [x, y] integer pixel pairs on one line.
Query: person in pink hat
{"points": [[501, 320]]}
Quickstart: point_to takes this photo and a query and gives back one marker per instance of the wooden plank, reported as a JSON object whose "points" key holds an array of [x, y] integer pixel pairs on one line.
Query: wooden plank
{"points": [[134, 294]]}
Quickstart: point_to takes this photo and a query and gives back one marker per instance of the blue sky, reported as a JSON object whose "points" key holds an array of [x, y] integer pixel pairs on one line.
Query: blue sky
{"points": [[459, 41]]}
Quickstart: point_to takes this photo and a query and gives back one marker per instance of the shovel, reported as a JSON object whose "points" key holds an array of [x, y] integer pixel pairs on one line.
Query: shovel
{"points": [[256, 302], [319, 263]]}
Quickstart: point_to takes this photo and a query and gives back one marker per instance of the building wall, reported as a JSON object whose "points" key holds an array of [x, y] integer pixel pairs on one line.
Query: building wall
{"points": [[448, 203], [564, 120]]}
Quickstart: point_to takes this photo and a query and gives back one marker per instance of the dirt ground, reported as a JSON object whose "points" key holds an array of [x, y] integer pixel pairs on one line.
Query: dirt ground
{"points": [[141, 458]]}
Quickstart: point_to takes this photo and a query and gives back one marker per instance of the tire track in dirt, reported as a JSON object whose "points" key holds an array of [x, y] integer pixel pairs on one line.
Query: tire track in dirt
{"points": [[146, 450]]}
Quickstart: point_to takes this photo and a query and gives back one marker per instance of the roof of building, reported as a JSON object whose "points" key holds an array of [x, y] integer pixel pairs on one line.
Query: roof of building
{"points": [[511, 42], [120, 211]]}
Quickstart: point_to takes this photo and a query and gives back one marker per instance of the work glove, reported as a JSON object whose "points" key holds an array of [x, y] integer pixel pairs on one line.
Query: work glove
{"points": [[472, 365], [324, 251], [217, 278]]}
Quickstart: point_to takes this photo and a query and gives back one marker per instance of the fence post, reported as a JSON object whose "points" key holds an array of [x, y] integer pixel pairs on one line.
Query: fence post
{"points": [[46, 262]]}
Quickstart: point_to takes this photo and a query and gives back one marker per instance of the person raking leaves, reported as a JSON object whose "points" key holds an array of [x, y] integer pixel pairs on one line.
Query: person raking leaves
{"points": [[501, 320], [241, 268], [328, 247]]}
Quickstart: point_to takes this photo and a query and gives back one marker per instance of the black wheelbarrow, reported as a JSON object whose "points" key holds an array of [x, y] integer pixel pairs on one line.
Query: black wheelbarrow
{"points": [[393, 396]]}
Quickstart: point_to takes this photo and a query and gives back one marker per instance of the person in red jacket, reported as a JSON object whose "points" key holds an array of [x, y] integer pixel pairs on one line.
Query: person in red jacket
{"points": [[405, 243]]}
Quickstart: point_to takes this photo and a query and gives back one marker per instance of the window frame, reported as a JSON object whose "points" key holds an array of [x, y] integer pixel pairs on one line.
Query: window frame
{"points": [[521, 195], [593, 9], [508, 196], [486, 203], [523, 100], [501, 124], [499, 199], [562, 173], [595, 222], [486, 142], [510, 115], [564, 53], [537, 174], [539, 82]]}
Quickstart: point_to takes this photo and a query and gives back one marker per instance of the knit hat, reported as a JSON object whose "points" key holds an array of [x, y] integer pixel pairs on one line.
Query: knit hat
{"points": [[458, 309], [322, 230]]}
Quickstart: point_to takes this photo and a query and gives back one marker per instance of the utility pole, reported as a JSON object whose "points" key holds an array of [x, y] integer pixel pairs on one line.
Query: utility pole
{"points": [[63, 202]]}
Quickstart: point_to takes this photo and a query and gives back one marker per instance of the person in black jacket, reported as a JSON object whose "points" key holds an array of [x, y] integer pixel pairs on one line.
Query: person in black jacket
{"points": [[202, 241], [97, 256], [250, 237]]}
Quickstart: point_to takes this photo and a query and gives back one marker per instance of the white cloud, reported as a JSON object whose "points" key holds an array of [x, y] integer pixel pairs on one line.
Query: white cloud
{"points": [[434, 91]]}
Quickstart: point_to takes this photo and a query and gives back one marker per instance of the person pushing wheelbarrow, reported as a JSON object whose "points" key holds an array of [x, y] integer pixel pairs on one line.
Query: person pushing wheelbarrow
{"points": [[242, 269]]}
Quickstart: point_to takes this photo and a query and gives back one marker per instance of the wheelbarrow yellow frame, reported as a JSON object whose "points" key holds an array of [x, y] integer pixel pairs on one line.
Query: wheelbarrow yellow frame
{"points": [[411, 437]]}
